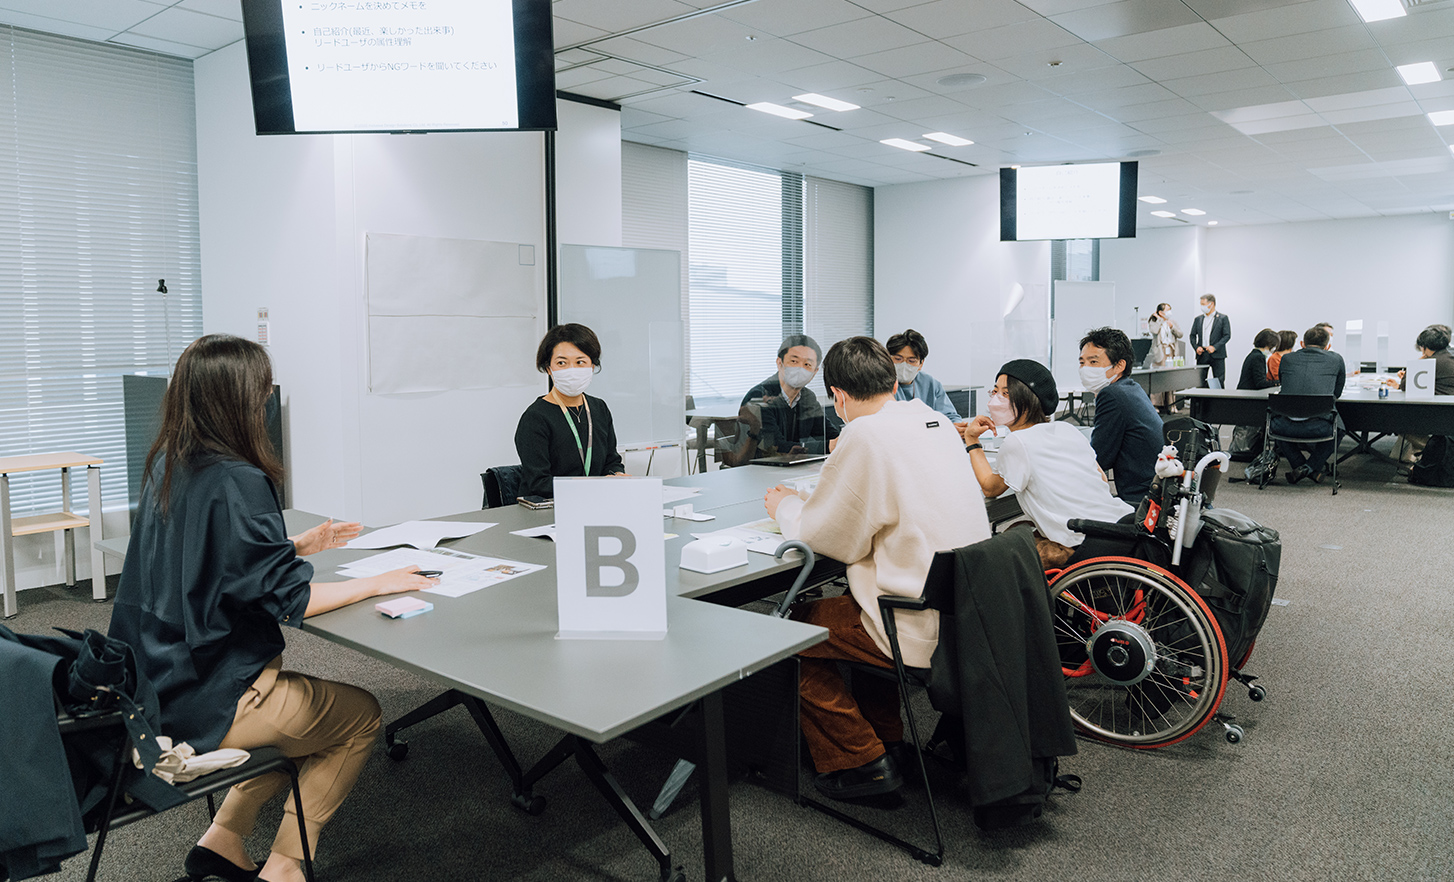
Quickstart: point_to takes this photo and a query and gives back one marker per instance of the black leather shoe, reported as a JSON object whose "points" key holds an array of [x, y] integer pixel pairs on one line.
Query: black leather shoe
{"points": [[902, 753], [1298, 474], [203, 863], [870, 779], [1317, 477]]}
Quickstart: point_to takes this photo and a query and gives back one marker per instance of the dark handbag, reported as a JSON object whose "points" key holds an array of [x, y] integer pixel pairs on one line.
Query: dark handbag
{"points": [[1246, 443]]}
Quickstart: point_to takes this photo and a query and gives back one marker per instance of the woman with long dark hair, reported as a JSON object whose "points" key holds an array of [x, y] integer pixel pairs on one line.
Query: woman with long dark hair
{"points": [[210, 576]]}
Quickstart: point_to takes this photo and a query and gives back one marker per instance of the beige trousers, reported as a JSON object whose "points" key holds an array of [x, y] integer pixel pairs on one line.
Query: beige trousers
{"points": [[328, 728]]}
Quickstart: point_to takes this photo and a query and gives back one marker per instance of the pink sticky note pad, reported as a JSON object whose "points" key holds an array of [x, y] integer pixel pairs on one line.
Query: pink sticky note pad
{"points": [[403, 607]]}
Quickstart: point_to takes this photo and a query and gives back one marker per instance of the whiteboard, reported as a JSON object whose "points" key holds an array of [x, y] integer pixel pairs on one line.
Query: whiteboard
{"points": [[1076, 307], [631, 298]]}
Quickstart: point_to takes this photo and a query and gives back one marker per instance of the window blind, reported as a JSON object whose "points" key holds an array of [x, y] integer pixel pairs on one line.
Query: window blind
{"points": [[838, 248], [98, 200], [735, 223]]}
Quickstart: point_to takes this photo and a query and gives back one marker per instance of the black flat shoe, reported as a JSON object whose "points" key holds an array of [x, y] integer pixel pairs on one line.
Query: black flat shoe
{"points": [[1294, 477], [870, 779], [203, 863]]}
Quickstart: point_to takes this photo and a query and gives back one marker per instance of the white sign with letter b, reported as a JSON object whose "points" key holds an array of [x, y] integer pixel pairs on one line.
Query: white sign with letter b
{"points": [[610, 559]]}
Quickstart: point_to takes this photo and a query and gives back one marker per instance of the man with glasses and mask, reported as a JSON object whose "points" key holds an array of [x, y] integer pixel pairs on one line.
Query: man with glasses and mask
{"points": [[781, 414], [909, 351]]}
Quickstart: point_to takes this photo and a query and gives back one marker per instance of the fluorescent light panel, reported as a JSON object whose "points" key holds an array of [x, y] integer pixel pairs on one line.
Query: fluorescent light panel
{"points": [[903, 144], [1378, 10], [1418, 74], [1211, 223], [824, 102], [1154, 200], [778, 110], [1194, 212], [1164, 213], [1442, 117], [951, 140]]}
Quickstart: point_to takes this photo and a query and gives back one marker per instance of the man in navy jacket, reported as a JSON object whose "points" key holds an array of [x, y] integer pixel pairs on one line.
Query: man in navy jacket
{"points": [[1211, 344], [1127, 436]]}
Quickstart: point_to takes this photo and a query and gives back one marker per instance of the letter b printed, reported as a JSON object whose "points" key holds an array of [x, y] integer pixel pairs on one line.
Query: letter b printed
{"points": [[596, 561]]}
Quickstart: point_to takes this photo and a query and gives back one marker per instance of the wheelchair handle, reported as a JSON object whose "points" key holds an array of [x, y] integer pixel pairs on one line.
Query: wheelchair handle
{"points": [[1103, 529], [809, 559]]}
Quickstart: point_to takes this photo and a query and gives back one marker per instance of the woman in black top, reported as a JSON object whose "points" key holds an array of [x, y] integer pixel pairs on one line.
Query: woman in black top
{"points": [[566, 433], [210, 575], [1254, 366]]}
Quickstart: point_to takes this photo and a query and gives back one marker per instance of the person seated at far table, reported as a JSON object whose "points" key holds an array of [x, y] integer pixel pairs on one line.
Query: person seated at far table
{"points": [[566, 433], [1128, 434], [781, 414], [1432, 342], [1254, 366], [1286, 341], [1049, 464], [910, 350], [1312, 370], [897, 489]]}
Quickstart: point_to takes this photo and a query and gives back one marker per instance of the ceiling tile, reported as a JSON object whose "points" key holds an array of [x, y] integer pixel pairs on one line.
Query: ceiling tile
{"points": [[1288, 19], [56, 26], [921, 108], [1135, 113], [769, 56], [1113, 100], [950, 18], [1344, 83], [992, 96], [861, 37], [166, 47], [1210, 9], [1124, 18], [1167, 41], [1226, 81], [1370, 98], [1035, 35], [221, 8], [1221, 101], [1056, 7], [1422, 24], [1370, 60], [921, 58], [1438, 49], [115, 16], [786, 19], [1317, 44], [697, 37], [569, 33], [635, 50], [1097, 80], [1063, 61], [831, 76], [618, 15]]}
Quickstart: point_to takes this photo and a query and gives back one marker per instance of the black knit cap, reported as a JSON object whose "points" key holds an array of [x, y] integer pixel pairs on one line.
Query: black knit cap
{"points": [[1038, 377]]}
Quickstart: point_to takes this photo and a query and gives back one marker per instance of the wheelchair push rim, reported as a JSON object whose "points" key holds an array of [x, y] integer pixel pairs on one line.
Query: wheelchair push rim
{"points": [[1144, 660]]}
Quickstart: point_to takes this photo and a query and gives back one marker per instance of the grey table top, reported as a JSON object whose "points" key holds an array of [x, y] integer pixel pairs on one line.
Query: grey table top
{"points": [[1350, 394]]}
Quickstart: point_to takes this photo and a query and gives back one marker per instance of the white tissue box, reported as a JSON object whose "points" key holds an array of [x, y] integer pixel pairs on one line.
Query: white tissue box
{"points": [[714, 555]]}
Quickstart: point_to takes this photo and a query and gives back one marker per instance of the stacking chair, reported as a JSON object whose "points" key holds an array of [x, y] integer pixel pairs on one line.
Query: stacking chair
{"points": [[938, 595], [1305, 407], [262, 761], [502, 485]]}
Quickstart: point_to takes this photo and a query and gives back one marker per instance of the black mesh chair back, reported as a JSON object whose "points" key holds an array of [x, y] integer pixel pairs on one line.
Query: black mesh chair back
{"points": [[502, 485], [1302, 407]]}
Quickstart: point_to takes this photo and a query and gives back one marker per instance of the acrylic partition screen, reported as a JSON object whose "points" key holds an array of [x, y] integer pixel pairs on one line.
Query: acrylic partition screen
{"points": [[1019, 330], [631, 298], [1077, 307]]}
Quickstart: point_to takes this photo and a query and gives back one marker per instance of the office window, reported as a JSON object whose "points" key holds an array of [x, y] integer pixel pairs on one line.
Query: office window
{"points": [[98, 200], [1075, 260], [838, 244]]}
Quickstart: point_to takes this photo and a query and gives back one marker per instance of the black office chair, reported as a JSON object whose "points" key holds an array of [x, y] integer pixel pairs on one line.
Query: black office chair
{"points": [[114, 814], [1304, 407], [938, 595], [502, 485]]}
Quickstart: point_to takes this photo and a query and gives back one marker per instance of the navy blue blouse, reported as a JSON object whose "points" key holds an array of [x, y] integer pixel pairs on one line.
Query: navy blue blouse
{"points": [[204, 591]]}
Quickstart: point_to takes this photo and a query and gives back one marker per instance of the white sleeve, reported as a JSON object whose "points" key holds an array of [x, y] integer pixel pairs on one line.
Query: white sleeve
{"points": [[1013, 463], [790, 517]]}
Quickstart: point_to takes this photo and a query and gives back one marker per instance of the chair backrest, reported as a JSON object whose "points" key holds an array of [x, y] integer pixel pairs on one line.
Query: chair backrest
{"points": [[502, 485], [1301, 407]]}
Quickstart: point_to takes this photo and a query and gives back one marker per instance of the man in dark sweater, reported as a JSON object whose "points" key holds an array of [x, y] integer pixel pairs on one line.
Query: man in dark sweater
{"points": [[781, 414], [1127, 436], [1311, 370]]}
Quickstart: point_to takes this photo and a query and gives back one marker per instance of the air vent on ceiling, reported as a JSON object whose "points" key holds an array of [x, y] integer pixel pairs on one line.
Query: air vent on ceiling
{"points": [[961, 80]]}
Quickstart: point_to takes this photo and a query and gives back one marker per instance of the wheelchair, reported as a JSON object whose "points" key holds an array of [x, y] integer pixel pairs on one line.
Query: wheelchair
{"points": [[1144, 657]]}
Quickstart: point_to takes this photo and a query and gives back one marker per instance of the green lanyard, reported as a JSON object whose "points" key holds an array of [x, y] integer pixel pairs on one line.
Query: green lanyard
{"points": [[589, 447]]}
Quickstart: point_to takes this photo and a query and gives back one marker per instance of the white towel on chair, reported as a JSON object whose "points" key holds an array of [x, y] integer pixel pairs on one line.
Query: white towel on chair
{"points": [[180, 763]]}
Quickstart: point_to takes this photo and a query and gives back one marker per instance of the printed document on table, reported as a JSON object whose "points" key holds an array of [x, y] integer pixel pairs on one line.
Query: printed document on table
{"points": [[761, 536], [461, 573], [546, 531], [420, 534], [442, 559]]}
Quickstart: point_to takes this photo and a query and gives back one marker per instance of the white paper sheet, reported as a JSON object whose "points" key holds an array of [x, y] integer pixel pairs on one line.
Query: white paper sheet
{"points": [[461, 573], [762, 536], [543, 532], [420, 534]]}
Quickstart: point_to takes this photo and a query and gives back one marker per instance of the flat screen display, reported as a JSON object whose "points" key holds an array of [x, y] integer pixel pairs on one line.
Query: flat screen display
{"points": [[1090, 201], [319, 66]]}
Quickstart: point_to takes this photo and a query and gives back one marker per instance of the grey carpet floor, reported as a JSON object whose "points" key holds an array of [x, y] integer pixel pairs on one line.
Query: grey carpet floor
{"points": [[1342, 776]]}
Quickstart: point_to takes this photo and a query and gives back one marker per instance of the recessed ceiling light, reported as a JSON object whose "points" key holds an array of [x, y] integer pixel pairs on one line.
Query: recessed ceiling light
{"points": [[1442, 117], [1154, 200], [1211, 223], [1164, 213], [825, 102], [779, 110], [1378, 10], [903, 144], [951, 140], [1416, 74], [1194, 212]]}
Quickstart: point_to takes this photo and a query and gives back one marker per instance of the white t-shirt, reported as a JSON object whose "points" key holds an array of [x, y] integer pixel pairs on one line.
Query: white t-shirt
{"points": [[1052, 469]]}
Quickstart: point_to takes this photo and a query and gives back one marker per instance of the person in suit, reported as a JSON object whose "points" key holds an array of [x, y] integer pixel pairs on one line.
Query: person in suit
{"points": [[1210, 332], [1254, 366], [1127, 436], [1432, 342], [210, 578], [566, 433], [1311, 370]]}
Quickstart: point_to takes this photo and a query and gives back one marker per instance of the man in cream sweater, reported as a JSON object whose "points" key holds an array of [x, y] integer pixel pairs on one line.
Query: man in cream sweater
{"points": [[897, 488]]}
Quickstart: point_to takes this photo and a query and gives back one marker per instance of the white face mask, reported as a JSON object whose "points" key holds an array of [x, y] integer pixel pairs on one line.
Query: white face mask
{"points": [[1166, 314], [1000, 410], [571, 382], [1094, 378], [1209, 309], [906, 373], [797, 376]]}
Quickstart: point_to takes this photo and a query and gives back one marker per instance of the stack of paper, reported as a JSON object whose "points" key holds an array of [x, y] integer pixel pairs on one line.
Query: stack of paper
{"points": [[420, 534], [461, 573]]}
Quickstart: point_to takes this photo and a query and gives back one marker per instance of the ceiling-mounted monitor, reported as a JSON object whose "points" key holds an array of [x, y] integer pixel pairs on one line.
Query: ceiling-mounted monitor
{"points": [[437, 66], [1080, 201]]}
